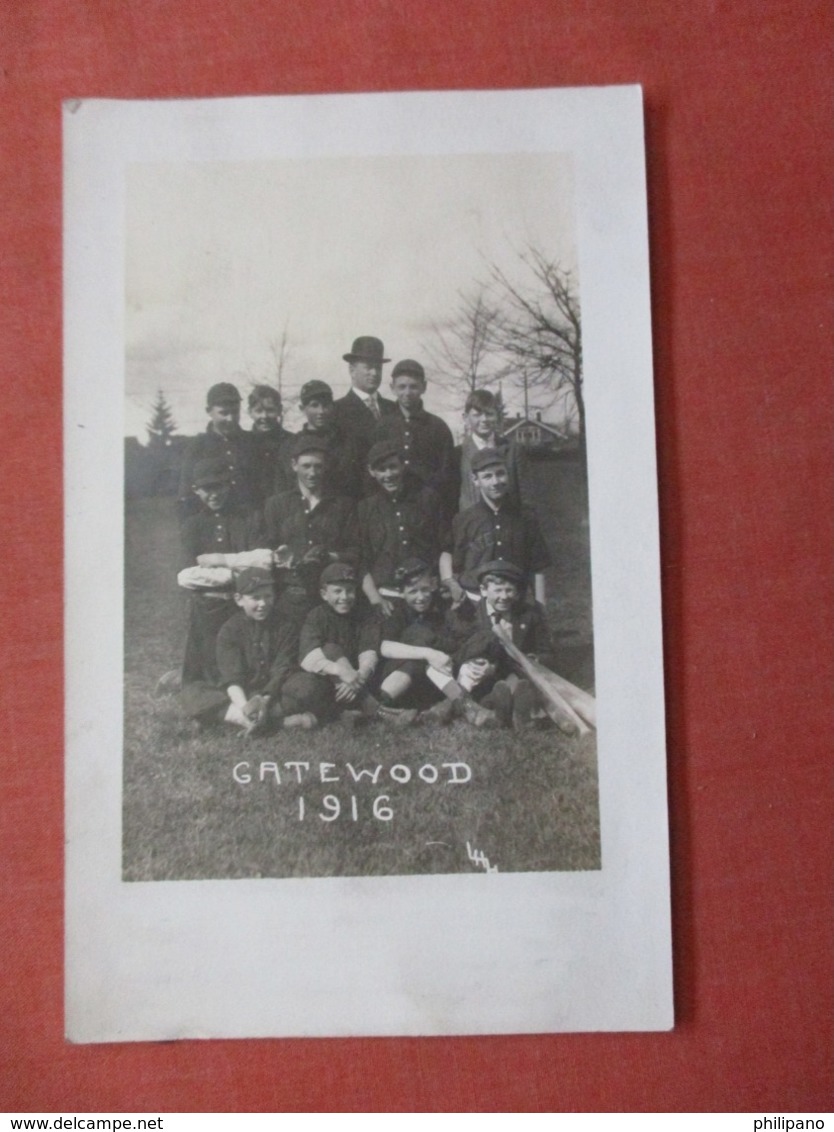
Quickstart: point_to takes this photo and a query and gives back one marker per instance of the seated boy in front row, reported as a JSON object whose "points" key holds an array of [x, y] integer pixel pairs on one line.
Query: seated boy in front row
{"points": [[485, 669], [258, 680], [339, 647], [417, 642]]}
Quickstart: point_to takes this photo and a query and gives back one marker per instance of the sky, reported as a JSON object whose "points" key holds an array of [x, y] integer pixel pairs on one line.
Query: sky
{"points": [[222, 258]]}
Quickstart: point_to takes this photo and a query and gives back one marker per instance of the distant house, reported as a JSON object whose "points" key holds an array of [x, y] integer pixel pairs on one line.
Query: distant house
{"points": [[535, 433]]}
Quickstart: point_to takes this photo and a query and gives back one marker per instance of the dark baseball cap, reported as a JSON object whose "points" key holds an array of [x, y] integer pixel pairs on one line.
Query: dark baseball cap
{"points": [[408, 365], [308, 442], [382, 450], [338, 572], [223, 393], [501, 569], [315, 391], [487, 458], [261, 393], [207, 472], [410, 569], [251, 579]]}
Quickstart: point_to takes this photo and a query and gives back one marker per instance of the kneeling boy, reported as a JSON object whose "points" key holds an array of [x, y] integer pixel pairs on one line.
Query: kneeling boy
{"points": [[486, 670], [340, 647]]}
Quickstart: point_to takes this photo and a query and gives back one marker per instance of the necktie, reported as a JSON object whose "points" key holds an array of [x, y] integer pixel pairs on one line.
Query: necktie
{"points": [[374, 407], [503, 623]]}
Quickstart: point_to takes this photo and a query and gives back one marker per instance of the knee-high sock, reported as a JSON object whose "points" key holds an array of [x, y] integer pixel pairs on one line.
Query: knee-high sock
{"points": [[450, 688]]}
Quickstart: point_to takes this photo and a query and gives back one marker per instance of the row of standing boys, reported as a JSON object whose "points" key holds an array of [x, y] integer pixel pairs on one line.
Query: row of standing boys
{"points": [[387, 557]]}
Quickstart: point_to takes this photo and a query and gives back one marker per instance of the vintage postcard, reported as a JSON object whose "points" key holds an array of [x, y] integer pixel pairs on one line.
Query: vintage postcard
{"points": [[365, 726]]}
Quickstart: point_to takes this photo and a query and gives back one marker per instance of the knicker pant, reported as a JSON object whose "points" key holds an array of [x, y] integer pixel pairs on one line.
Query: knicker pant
{"points": [[207, 616], [307, 691], [204, 701]]}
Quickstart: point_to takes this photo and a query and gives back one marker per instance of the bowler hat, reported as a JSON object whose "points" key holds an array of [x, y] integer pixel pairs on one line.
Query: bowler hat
{"points": [[382, 450], [486, 458], [315, 391], [223, 393], [408, 365], [251, 579], [501, 569], [338, 572], [308, 442], [215, 470], [366, 349]]}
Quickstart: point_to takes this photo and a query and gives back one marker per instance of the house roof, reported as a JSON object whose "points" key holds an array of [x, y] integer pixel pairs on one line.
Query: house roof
{"points": [[537, 424]]}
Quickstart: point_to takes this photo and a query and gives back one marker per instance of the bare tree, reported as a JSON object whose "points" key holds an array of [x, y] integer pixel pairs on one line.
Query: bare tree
{"points": [[540, 335], [464, 352], [272, 372], [280, 350]]}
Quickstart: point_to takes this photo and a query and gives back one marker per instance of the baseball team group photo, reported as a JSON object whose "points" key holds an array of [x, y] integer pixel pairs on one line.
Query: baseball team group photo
{"points": [[357, 591]]}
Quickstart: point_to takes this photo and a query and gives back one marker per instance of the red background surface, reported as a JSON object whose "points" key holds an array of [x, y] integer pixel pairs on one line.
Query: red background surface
{"points": [[738, 113]]}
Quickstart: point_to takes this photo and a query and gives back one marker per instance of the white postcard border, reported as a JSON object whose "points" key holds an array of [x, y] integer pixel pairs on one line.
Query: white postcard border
{"points": [[389, 955]]}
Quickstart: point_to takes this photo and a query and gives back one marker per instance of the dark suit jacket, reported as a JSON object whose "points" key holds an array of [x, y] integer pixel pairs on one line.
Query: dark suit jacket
{"points": [[353, 416]]}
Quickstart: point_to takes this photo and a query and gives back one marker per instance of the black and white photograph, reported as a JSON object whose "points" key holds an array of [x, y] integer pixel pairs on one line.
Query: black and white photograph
{"points": [[358, 609], [364, 666]]}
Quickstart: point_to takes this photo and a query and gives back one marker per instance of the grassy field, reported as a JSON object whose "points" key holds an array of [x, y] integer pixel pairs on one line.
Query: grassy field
{"points": [[340, 803]]}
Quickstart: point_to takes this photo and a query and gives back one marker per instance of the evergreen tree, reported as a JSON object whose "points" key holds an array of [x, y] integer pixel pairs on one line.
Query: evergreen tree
{"points": [[162, 426]]}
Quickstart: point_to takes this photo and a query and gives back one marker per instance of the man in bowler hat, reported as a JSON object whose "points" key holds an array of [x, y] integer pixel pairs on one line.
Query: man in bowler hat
{"points": [[362, 410]]}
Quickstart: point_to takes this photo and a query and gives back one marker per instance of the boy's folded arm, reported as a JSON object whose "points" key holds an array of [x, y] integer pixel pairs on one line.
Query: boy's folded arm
{"points": [[398, 650], [315, 661], [372, 593], [205, 579], [539, 588], [366, 663], [237, 695], [261, 558]]}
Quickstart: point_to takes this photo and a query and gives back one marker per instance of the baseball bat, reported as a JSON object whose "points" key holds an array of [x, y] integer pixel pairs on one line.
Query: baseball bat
{"points": [[553, 689], [582, 702]]}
